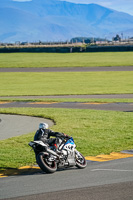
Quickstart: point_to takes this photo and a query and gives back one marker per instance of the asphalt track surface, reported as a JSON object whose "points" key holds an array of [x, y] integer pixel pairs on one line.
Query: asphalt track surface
{"points": [[126, 107], [15, 125], [97, 96], [68, 69], [112, 180]]}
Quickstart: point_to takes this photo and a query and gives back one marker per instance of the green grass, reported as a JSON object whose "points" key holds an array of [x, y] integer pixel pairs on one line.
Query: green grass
{"points": [[66, 59], [59, 83], [95, 132], [89, 100]]}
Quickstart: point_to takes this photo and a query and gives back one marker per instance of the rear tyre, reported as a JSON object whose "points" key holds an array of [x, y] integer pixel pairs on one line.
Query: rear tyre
{"points": [[46, 165], [80, 160]]}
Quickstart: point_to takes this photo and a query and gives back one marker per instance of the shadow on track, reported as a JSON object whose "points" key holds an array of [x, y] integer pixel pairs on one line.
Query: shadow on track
{"points": [[29, 171]]}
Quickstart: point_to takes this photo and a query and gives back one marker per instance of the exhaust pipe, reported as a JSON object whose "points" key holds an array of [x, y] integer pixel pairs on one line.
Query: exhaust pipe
{"points": [[52, 152]]}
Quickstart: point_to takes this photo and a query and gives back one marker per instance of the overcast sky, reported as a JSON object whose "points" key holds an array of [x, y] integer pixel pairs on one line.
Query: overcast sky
{"points": [[119, 5]]}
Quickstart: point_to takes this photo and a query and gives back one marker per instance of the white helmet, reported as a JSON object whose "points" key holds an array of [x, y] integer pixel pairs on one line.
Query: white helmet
{"points": [[43, 126]]}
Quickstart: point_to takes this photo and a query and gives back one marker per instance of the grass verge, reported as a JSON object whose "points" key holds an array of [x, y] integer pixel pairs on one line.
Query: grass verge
{"points": [[85, 100], [66, 59], [95, 132], [22, 83]]}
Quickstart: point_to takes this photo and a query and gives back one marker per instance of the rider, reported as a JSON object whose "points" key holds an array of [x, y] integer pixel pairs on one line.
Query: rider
{"points": [[44, 134]]}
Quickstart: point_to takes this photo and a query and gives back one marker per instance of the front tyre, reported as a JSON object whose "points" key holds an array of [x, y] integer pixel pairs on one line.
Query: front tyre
{"points": [[80, 160], [46, 165]]}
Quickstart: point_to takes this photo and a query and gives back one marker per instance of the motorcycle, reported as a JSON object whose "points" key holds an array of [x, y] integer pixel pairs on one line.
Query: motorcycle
{"points": [[65, 156]]}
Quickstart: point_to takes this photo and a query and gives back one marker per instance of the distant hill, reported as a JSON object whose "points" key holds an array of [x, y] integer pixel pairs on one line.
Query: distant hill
{"points": [[53, 20]]}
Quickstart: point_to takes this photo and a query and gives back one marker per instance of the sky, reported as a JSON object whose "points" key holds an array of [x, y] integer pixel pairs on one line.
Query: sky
{"points": [[119, 5]]}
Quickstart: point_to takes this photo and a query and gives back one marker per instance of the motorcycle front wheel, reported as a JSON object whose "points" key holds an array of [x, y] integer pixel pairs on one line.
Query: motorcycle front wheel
{"points": [[46, 165], [80, 160]]}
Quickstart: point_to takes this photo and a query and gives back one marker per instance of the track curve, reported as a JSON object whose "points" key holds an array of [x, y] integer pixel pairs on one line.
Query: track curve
{"points": [[108, 180], [15, 125]]}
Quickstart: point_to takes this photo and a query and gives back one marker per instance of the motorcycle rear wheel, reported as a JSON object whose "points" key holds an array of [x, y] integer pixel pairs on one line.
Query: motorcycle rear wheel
{"points": [[48, 167], [80, 160]]}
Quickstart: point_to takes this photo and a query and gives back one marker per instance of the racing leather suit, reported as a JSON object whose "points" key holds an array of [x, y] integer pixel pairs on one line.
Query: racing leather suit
{"points": [[45, 134]]}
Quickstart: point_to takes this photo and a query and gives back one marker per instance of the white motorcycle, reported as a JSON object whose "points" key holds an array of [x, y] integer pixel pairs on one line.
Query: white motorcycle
{"points": [[66, 155]]}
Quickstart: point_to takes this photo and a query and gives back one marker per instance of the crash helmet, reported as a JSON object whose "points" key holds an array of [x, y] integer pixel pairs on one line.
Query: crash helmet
{"points": [[43, 126]]}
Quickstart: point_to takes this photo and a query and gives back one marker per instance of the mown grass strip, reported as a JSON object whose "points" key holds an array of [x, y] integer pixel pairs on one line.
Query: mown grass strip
{"points": [[95, 132], [4, 100], [22, 83], [66, 60]]}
